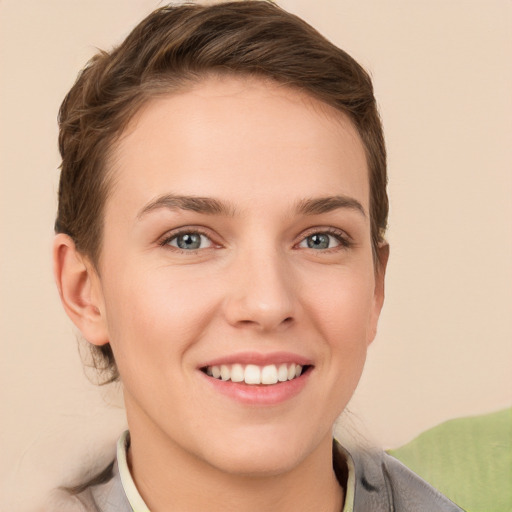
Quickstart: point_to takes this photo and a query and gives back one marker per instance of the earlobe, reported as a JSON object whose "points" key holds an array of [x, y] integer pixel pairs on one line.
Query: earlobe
{"points": [[378, 298], [79, 290]]}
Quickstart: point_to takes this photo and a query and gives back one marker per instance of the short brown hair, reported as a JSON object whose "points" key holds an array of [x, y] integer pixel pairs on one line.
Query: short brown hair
{"points": [[174, 47]]}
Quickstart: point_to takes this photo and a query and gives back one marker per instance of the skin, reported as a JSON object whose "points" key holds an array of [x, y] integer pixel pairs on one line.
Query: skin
{"points": [[254, 285]]}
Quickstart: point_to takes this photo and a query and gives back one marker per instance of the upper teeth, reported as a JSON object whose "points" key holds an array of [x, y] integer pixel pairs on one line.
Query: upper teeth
{"points": [[253, 374]]}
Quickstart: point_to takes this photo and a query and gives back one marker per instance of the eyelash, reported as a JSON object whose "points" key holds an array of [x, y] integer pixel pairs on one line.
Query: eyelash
{"points": [[189, 231], [344, 240], [340, 236]]}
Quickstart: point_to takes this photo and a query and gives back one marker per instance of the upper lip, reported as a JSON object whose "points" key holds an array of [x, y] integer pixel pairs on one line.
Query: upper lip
{"points": [[258, 359]]}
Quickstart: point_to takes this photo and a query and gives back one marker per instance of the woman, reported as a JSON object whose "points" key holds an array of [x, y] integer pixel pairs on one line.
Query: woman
{"points": [[220, 244]]}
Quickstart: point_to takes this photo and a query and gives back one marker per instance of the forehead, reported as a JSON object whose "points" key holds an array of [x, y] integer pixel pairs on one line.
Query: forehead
{"points": [[242, 138]]}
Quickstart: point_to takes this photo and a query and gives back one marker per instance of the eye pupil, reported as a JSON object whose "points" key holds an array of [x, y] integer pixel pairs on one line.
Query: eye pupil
{"points": [[318, 241], [189, 241]]}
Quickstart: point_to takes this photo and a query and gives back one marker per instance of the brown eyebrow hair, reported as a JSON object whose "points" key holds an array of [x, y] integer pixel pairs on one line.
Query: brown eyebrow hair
{"points": [[205, 205], [316, 206], [211, 206]]}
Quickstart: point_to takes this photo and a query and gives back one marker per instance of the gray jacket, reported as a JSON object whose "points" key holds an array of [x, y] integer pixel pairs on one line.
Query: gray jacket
{"points": [[383, 484]]}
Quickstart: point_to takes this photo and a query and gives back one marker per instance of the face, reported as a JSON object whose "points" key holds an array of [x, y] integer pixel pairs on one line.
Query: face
{"points": [[236, 278]]}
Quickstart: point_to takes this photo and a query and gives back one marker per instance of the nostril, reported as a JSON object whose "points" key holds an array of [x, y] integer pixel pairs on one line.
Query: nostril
{"points": [[286, 322], [247, 322]]}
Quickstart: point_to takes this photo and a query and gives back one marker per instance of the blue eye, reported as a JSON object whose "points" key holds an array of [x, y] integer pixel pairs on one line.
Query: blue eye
{"points": [[320, 241], [189, 241]]}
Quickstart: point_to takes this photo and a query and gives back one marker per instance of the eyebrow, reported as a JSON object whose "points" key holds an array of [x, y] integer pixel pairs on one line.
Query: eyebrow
{"points": [[206, 205], [211, 206], [317, 206]]}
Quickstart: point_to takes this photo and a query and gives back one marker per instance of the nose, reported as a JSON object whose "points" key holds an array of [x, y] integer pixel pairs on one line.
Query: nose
{"points": [[261, 292]]}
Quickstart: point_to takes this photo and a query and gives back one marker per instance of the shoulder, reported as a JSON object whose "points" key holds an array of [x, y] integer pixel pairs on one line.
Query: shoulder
{"points": [[382, 483], [63, 501], [105, 494]]}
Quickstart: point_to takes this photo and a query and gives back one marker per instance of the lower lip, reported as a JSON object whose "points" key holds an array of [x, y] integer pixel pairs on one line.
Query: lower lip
{"points": [[261, 394]]}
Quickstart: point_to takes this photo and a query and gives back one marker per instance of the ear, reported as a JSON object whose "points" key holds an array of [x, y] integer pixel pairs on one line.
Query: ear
{"points": [[378, 296], [80, 290]]}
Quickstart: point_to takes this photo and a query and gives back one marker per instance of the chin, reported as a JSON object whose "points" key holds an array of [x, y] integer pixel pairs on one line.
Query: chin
{"points": [[263, 453], [261, 463]]}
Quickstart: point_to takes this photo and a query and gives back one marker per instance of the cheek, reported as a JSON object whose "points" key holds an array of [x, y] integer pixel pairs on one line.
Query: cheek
{"points": [[343, 313], [153, 317], [343, 304]]}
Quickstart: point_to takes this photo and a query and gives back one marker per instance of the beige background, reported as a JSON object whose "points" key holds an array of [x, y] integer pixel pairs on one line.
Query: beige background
{"points": [[443, 79]]}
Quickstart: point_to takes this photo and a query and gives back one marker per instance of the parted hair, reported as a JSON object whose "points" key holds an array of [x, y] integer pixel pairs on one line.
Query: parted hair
{"points": [[173, 48]]}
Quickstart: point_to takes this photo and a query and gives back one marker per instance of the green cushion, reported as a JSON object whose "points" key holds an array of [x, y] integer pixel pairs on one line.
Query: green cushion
{"points": [[468, 459]]}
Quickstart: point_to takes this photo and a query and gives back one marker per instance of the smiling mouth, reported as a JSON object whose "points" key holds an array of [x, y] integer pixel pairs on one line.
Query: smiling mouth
{"points": [[252, 374]]}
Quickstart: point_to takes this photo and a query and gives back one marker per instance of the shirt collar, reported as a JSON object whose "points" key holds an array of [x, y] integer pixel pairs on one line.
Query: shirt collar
{"points": [[132, 494], [138, 505], [351, 476]]}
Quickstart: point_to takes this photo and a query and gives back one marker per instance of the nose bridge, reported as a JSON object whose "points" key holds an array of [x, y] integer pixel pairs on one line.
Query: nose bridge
{"points": [[261, 291]]}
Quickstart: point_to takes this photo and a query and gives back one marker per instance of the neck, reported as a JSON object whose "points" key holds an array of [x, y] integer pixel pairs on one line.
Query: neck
{"points": [[167, 476]]}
